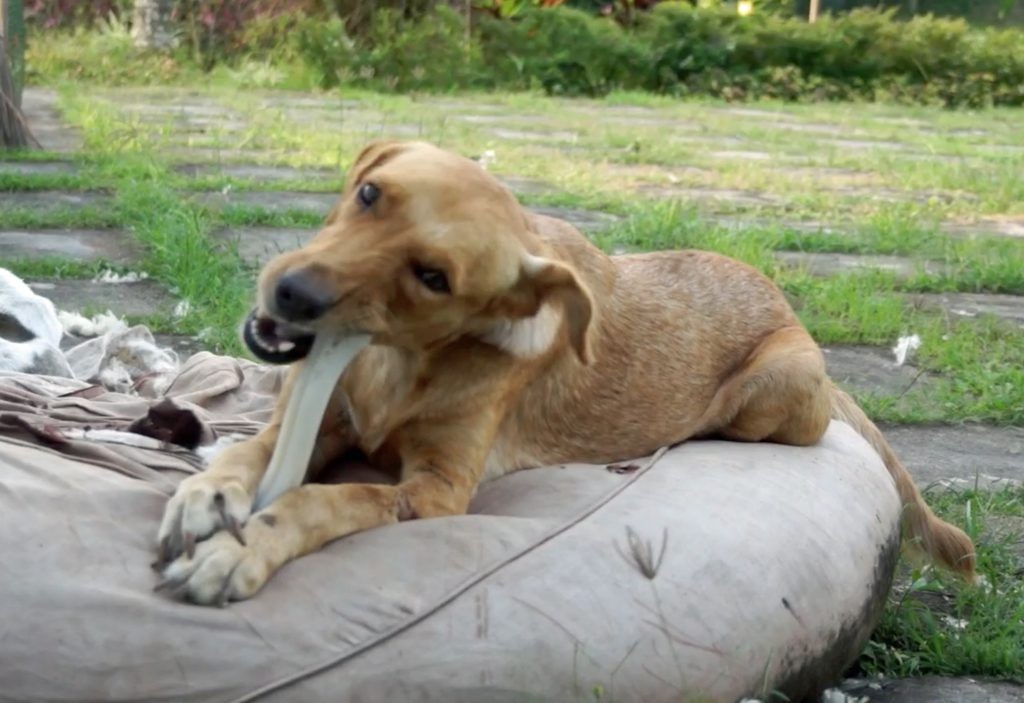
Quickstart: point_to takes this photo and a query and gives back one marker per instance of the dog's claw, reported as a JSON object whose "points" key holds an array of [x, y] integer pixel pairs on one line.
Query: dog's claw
{"points": [[190, 545], [236, 530], [228, 521], [222, 595], [164, 553]]}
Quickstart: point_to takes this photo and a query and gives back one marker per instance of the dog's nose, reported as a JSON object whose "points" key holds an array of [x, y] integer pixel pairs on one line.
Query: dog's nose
{"points": [[300, 298]]}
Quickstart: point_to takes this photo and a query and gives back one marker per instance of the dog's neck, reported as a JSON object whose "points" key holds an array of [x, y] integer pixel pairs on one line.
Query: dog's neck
{"points": [[528, 337]]}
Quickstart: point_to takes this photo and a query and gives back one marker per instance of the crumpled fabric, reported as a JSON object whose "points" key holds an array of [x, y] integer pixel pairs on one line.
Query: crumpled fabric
{"points": [[216, 400], [123, 359]]}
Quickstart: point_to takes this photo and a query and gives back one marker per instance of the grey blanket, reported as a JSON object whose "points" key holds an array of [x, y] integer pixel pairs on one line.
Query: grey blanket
{"points": [[552, 587]]}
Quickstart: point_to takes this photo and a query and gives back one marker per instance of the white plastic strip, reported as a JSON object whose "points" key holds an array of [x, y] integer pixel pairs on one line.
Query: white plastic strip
{"points": [[314, 384]]}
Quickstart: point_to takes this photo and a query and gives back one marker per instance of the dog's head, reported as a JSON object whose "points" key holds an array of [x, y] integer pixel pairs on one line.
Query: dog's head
{"points": [[423, 247]]}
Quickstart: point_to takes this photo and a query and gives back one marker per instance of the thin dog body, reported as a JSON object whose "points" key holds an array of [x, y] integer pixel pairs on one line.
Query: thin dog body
{"points": [[502, 340]]}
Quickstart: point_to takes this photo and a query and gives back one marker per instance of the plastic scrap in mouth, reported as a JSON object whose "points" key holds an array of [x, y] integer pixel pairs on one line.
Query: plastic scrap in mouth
{"points": [[273, 341]]}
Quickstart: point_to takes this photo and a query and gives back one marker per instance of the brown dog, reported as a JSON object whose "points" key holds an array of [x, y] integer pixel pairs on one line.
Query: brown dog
{"points": [[501, 340]]}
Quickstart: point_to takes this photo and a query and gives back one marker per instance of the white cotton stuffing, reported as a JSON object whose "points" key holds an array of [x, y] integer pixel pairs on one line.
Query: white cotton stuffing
{"points": [[109, 276], [81, 326]]}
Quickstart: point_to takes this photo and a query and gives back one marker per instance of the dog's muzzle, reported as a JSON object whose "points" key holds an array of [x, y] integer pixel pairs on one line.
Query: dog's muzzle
{"points": [[273, 341]]}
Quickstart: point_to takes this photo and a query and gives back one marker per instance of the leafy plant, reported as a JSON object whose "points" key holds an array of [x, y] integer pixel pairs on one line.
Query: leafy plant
{"points": [[512, 8]]}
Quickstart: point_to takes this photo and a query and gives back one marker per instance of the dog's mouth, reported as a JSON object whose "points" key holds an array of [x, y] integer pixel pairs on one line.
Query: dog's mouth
{"points": [[274, 341]]}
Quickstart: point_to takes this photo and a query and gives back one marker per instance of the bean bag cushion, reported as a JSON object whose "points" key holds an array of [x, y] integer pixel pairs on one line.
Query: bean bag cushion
{"points": [[710, 571]]}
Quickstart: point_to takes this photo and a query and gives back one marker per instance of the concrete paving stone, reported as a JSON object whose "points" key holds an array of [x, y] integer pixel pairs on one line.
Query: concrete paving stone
{"points": [[1000, 149], [934, 157], [187, 109], [967, 132], [751, 112], [863, 369], [903, 122], [460, 106], [994, 226], [671, 123], [990, 226], [654, 175], [891, 195], [39, 106], [527, 186], [970, 305], [712, 142], [378, 130], [806, 127], [347, 120], [828, 174], [602, 109], [742, 155], [830, 264], [273, 200], [220, 155], [73, 295], [299, 101], [78, 245], [50, 200], [259, 172], [871, 144], [960, 454], [534, 136], [718, 195], [934, 689], [258, 245], [583, 220], [192, 129], [493, 118], [38, 168], [328, 112], [809, 226]]}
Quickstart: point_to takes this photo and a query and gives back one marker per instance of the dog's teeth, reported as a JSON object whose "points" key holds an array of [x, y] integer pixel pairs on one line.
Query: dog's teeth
{"points": [[285, 346]]}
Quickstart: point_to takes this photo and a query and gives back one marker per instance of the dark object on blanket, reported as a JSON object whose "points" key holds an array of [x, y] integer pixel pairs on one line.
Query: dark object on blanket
{"points": [[168, 423]]}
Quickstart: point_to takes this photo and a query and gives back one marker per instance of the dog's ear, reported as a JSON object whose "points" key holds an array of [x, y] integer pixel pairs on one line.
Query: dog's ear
{"points": [[547, 281]]}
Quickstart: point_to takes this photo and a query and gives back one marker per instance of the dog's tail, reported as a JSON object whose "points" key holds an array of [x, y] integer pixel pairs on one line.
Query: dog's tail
{"points": [[944, 543]]}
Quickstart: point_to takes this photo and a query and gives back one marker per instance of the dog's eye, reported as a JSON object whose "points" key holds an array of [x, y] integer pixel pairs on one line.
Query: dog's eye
{"points": [[367, 194], [433, 279]]}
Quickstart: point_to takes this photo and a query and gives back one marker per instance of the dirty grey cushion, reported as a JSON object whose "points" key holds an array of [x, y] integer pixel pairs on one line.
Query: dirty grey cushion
{"points": [[776, 564]]}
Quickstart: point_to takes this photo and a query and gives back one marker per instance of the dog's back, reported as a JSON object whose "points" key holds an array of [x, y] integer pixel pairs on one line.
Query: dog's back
{"points": [[669, 328]]}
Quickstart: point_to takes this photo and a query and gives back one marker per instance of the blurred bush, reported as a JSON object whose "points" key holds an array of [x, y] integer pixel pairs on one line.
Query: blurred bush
{"points": [[673, 48]]}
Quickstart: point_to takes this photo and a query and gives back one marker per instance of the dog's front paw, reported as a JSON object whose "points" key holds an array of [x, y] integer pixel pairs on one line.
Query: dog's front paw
{"points": [[202, 505], [222, 569]]}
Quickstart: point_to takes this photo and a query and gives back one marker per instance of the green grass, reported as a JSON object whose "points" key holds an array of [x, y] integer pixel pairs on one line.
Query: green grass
{"points": [[46, 181], [932, 627], [88, 217], [57, 267]]}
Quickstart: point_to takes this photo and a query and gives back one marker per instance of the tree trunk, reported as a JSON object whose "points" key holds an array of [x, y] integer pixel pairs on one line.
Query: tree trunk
{"points": [[14, 133], [151, 24]]}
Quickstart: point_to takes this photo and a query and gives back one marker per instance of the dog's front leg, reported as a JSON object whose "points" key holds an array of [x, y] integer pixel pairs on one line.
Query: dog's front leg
{"points": [[305, 518], [220, 497]]}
